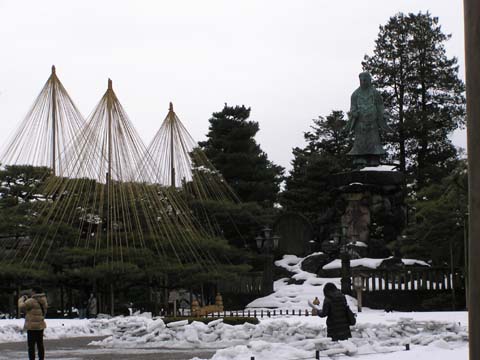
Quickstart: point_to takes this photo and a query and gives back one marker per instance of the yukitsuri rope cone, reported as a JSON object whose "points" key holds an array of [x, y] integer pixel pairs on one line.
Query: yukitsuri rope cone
{"points": [[106, 195], [181, 166], [179, 161], [47, 130]]}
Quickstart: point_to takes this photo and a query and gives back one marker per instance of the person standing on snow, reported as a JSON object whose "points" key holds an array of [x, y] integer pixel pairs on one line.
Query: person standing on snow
{"points": [[336, 310], [92, 306], [35, 309]]}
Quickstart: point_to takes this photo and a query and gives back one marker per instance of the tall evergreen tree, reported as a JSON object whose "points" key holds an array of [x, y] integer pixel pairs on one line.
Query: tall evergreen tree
{"points": [[422, 93], [438, 229], [232, 149], [307, 188]]}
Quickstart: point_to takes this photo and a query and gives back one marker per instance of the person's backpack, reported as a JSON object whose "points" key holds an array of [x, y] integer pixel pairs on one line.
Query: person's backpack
{"points": [[351, 317]]}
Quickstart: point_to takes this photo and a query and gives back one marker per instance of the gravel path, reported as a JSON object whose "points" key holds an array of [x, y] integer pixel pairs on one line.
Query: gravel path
{"points": [[78, 349]]}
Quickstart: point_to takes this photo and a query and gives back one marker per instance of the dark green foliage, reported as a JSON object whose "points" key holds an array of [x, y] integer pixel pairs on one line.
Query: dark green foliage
{"points": [[422, 94], [307, 189], [16, 273], [233, 151], [22, 184], [438, 226], [239, 223], [227, 320], [20, 191], [327, 137], [72, 262]]}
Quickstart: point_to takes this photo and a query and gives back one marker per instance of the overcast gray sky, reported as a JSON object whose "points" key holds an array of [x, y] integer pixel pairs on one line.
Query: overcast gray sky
{"points": [[289, 60]]}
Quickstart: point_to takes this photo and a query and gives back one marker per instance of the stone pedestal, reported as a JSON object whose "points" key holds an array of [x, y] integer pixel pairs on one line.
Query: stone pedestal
{"points": [[371, 210]]}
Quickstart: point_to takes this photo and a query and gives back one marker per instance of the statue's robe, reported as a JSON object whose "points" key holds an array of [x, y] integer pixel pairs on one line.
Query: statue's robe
{"points": [[366, 120]]}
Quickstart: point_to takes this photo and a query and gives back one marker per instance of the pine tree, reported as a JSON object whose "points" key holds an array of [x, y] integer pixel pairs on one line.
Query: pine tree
{"points": [[21, 188], [440, 211], [232, 149], [422, 93], [307, 187]]}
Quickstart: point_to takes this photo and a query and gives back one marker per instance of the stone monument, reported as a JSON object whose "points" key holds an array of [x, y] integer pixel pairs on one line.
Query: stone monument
{"points": [[370, 207]]}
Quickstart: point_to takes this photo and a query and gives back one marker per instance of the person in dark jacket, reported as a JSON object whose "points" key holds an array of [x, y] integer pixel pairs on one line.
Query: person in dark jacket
{"points": [[35, 309], [335, 310]]}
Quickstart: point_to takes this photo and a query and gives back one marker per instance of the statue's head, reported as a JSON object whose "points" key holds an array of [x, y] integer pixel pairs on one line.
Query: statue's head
{"points": [[365, 80]]}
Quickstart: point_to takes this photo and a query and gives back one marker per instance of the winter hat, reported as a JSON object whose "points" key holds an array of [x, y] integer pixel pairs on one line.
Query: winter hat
{"points": [[329, 288]]}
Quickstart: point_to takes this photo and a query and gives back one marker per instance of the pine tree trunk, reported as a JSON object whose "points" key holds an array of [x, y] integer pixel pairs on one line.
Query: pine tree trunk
{"points": [[17, 311], [62, 300], [401, 129], [70, 301], [112, 301], [423, 141]]}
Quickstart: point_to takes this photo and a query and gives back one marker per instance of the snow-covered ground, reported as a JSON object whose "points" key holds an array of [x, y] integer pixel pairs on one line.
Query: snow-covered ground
{"points": [[377, 334], [281, 338]]}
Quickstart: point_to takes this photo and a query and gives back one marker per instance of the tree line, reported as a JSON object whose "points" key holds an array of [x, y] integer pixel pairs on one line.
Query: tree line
{"points": [[425, 102], [424, 99]]}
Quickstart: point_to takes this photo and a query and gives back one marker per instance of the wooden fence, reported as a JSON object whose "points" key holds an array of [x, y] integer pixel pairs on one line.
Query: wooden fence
{"points": [[411, 279], [421, 278], [256, 313], [246, 284]]}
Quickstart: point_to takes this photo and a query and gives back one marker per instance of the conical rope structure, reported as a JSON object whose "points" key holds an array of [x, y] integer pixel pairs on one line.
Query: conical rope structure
{"points": [[179, 161], [47, 130], [181, 165], [108, 199]]}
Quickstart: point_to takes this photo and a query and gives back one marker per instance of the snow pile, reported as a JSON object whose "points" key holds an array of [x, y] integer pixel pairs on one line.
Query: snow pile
{"points": [[411, 262], [380, 168], [369, 263], [303, 334], [295, 296], [145, 332], [261, 350], [431, 337], [11, 330]]}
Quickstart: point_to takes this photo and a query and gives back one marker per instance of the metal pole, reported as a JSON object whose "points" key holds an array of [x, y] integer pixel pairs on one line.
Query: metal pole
{"points": [[54, 117], [171, 116], [472, 62], [268, 272]]}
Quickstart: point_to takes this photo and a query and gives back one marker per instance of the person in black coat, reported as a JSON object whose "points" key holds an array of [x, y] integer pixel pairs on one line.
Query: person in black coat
{"points": [[335, 309]]}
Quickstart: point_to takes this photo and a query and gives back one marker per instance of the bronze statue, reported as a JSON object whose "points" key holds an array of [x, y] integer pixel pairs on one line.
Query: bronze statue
{"points": [[366, 119]]}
